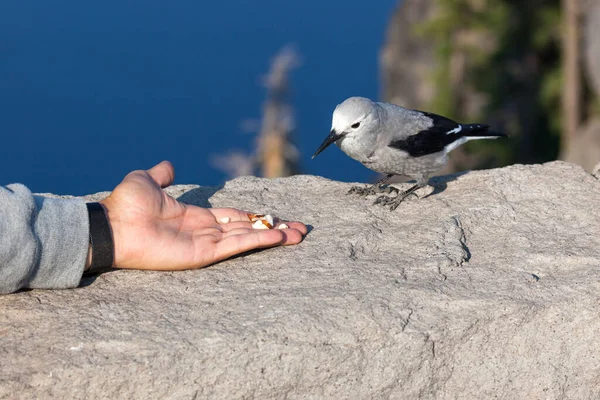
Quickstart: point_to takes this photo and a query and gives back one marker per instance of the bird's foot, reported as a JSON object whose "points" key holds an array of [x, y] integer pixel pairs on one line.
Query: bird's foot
{"points": [[361, 190], [372, 190], [394, 202]]}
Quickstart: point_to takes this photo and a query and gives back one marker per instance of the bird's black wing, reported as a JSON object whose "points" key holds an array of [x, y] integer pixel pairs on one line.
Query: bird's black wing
{"points": [[433, 139]]}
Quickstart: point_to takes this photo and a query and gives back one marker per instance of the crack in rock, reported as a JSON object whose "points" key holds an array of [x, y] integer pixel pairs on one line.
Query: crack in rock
{"points": [[407, 320], [355, 250], [353, 256], [462, 240], [455, 234], [453, 248]]}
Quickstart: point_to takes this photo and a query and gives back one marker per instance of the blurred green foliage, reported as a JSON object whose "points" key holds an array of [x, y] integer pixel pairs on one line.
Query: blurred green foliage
{"points": [[510, 52]]}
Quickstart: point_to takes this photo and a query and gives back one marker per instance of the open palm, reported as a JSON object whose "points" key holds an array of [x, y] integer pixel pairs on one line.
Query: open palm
{"points": [[154, 231]]}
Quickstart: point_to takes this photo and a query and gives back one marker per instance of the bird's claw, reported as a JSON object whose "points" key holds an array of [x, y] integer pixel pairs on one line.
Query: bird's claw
{"points": [[381, 200], [372, 190], [388, 201], [393, 202], [361, 191], [388, 189]]}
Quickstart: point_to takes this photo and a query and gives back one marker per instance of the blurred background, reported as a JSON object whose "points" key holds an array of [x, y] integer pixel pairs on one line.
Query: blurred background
{"points": [[93, 90]]}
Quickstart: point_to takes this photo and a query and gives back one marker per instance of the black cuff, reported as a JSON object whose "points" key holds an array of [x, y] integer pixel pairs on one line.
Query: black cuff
{"points": [[101, 240]]}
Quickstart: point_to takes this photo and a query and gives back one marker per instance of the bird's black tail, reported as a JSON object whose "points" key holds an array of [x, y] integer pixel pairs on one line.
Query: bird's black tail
{"points": [[479, 130]]}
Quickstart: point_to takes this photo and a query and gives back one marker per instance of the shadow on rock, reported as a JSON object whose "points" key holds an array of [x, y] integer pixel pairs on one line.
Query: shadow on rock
{"points": [[200, 196], [88, 279], [440, 183]]}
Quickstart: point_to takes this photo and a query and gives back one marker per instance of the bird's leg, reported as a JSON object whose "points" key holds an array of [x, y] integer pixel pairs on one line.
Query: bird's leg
{"points": [[394, 202], [378, 187], [375, 188]]}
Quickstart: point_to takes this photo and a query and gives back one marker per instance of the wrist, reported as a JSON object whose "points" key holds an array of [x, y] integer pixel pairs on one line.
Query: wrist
{"points": [[113, 222], [101, 243], [88, 260]]}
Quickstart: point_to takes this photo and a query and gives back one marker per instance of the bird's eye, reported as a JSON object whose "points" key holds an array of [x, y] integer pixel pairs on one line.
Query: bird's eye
{"points": [[356, 125]]}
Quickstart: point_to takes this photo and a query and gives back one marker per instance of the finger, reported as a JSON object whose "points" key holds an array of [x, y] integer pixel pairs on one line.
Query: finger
{"points": [[228, 227], [236, 244], [163, 174], [299, 226], [239, 215], [233, 214], [290, 236]]}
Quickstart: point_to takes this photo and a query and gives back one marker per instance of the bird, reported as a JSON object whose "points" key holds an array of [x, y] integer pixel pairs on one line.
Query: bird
{"points": [[394, 140]]}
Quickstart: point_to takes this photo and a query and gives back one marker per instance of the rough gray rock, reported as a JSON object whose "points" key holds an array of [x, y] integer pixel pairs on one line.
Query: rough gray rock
{"points": [[487, 288], [596, 171]]}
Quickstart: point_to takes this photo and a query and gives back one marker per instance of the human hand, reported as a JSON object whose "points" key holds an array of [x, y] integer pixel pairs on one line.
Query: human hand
{"points": [[152, 230]]}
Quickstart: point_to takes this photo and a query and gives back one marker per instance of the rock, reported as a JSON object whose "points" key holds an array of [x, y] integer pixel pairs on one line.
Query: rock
{"points": [[487, 287], [596, 171]]}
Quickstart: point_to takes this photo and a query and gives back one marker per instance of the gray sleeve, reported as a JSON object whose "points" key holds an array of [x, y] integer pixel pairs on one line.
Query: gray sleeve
{"points": [[43, 241]]}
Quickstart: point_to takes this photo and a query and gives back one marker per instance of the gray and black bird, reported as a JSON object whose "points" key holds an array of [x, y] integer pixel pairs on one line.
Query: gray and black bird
{"points": [[393, 140]]}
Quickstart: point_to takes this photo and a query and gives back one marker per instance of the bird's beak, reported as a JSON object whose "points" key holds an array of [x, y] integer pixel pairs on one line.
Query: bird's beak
{"points": [[333, 136]]}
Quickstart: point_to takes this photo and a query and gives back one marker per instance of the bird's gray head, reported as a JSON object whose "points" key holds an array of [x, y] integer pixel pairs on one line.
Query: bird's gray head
{"points": [[354, 117]]}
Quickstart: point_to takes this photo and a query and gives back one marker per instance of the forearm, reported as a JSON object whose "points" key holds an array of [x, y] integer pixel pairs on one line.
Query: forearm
{"points": [[43, 242]]}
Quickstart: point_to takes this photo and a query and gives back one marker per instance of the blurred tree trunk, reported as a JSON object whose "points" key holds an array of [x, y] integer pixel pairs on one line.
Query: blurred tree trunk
{"points": [[571, 94], [584, 146], [276, 152]]}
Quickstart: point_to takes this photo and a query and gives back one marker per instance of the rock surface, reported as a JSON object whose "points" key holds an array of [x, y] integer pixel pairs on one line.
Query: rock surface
{"points": [[488, 287]]}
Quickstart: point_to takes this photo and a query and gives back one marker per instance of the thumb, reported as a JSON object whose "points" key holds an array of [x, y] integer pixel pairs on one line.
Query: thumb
{"points": [[162, 173]]}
